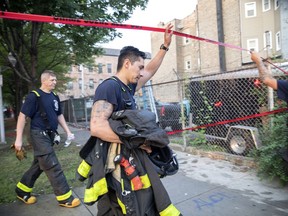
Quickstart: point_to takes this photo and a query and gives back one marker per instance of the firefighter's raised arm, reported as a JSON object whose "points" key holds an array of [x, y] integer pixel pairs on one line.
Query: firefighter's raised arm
{"points": [[264, 74]]}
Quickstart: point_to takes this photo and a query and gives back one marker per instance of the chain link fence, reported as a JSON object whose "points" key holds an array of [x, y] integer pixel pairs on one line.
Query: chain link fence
{"points": [[218, 112], [77, 111]]}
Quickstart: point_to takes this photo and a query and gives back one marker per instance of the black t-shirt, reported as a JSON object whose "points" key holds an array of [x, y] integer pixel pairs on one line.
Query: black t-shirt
{"points": [[282, 91], [117, 93], [51, 105]]}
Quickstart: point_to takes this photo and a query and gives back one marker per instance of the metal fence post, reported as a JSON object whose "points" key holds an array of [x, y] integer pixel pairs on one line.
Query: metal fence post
{"points": [[2, 128]]}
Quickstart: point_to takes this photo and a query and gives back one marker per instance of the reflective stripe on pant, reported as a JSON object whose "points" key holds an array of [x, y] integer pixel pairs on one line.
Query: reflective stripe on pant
{"points": [[50, 165]]}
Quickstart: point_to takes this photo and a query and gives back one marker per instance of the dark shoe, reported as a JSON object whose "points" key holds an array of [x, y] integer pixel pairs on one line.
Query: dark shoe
{"points": [[25, 197], [70, 203]]}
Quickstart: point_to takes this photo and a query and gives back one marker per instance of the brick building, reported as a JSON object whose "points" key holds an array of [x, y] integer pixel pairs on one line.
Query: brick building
{"points": [[259, 24], [86, 78]]}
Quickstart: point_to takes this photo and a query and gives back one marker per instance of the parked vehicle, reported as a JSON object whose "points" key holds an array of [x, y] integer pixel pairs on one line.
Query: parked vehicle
{"points": [[169, 115], [239, 139]]}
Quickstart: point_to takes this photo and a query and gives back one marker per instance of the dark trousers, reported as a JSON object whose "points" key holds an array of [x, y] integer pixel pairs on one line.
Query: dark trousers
{"points": [[49, 164], [107, 205]]}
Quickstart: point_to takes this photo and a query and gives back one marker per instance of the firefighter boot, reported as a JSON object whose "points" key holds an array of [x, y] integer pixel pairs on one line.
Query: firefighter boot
{"points": [[26, 197], [70, 203]]}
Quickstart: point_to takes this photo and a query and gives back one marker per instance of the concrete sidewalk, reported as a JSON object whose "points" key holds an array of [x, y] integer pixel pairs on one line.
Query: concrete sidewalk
{"points": [[202, 186]]}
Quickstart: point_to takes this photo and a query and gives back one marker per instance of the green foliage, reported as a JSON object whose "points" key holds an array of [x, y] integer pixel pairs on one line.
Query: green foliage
{"points": [[38, 46], [199, 138], [274, 140]]}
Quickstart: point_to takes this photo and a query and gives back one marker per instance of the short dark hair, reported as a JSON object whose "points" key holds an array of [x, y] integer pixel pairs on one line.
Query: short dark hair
{"points": [[131, 53]]}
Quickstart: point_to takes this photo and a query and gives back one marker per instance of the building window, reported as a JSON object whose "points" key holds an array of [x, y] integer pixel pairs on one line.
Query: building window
{"points": [[250, 9], [100, 68], [186, 40], [252, 44], [278, 41], [276, 4], [109, 68], [91, 83], [80, 83], [268, 40], [266, 5], [90, 68], [70, 85], [80, 68], [188, 65]]}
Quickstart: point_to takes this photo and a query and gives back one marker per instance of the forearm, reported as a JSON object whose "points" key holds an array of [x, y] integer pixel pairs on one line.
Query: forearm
{"points": [[63, 123], [265, 76], [151, 68], [263, 72], [104, 132], [19, 131], [155, 63], [20, 126]]}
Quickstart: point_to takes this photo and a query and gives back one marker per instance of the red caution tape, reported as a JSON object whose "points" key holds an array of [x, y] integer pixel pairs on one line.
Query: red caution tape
{"points": [[218, 104], [230, 120], [257, 83], [94, 23]]}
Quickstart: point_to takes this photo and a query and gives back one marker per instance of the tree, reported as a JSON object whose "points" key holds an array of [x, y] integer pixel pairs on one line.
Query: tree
{"points": [[38, 46]]}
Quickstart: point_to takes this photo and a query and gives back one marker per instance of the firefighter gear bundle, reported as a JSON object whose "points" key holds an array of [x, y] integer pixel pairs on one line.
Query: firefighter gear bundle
{"points": [[127, 169]]}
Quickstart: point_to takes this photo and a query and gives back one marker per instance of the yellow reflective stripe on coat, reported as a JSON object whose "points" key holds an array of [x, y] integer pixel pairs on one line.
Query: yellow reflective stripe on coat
{"points": [[121, 204], [98, 189], [64, 196], [171, 210], [145, 181], [24, 187], [84, 169]]}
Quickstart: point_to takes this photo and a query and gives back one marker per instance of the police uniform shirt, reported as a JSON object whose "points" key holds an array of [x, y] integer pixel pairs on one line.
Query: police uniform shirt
{"points": [[51, 105], [117, 93]]}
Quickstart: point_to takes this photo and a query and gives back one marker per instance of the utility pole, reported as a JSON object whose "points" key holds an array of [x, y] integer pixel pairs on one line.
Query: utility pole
{"points": [[13, 62], [82, 79], [2, 128]]}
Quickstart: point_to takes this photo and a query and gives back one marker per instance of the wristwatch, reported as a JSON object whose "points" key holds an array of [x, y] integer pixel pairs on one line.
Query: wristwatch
{"points": [[164, 47]]}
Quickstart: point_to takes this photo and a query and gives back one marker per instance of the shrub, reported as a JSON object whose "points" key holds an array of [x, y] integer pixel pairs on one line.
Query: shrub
{"points": [[274, 142]]}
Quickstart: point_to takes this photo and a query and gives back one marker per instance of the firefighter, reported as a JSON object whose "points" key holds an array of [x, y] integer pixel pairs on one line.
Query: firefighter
{"points": [[42, 106], [114, 95]]}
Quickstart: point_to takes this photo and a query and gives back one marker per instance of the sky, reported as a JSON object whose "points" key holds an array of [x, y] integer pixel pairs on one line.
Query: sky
{"points": [[156, 11]]}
